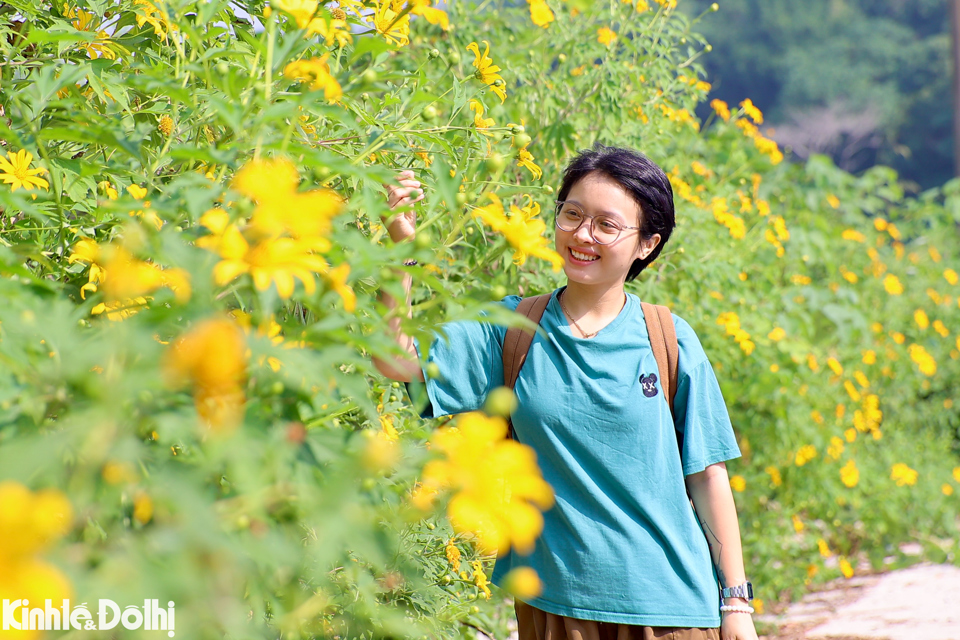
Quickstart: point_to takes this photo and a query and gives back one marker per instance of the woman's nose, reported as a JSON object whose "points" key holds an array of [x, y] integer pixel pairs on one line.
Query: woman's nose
{"points": [[584, 232]]}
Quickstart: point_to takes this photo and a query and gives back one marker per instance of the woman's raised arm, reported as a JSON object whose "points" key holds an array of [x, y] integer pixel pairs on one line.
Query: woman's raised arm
{"points": [[402, 227]]}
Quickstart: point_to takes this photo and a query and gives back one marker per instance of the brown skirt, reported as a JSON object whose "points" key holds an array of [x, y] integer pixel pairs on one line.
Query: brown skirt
{"points": [[534, 624]]}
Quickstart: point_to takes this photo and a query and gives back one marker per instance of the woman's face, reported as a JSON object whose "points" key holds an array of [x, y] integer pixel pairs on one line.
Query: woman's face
{"points": [[586, 261]]}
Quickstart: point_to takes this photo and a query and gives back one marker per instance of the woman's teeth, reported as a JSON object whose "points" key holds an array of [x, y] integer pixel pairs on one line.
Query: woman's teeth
{"points": [[583, 256]]}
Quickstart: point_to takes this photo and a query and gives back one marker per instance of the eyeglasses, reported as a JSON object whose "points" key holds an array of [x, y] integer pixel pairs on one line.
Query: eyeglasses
{"points": [[603, 229]]}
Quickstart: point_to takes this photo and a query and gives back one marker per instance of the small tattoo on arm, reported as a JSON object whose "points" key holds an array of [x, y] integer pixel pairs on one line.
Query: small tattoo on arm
{"points": [[714, 543]]}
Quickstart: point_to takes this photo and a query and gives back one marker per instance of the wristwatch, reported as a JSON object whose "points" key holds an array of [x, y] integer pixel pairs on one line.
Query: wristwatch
{"points": [[744, 590]]}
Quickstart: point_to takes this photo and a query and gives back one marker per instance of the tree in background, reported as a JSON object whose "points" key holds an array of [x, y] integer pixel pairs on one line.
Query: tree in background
{"points": [[865, 81]]}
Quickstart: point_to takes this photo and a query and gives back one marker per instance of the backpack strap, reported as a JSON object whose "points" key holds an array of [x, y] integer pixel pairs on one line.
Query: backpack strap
{"points": [[663, 341], [517, 342]]}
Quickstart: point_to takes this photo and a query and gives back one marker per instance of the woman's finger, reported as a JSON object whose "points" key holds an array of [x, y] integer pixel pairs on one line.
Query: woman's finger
{"points": [[399, 194]]}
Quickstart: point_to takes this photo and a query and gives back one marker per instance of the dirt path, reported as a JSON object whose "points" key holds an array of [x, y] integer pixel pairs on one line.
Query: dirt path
{"points": [[919, 603]]}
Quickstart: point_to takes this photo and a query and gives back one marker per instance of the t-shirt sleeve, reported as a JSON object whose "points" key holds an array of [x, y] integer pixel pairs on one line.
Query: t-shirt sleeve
{"points": [[701, 414], [469, 359]]}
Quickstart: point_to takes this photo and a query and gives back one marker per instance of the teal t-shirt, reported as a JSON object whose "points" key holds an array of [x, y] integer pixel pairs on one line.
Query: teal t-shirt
{"points": [[622, 543]]}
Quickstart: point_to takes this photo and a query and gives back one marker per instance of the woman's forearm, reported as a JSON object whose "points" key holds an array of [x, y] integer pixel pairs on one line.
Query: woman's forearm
{"points": [[713, 500], [404, 367]]}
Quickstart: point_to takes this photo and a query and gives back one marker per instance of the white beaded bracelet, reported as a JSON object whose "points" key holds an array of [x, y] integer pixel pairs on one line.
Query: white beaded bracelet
{"points": [[732, 609]]}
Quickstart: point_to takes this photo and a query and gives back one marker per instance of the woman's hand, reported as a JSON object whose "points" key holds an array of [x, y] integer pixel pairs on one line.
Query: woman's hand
{"points": [[407, 191], [737, 626]]}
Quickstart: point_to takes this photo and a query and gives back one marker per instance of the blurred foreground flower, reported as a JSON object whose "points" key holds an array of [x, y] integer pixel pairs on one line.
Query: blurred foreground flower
{"points": [[29, 523], [125, 279], [523, 583], [212, 358], [285, 234], [498, 490], [522, 229]]}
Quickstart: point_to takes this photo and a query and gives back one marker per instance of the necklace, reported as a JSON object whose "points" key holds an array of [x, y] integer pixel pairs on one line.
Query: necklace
{"points": [[567, 313]]}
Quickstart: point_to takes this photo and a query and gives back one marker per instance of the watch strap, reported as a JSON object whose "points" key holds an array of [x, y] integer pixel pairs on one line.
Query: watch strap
{"points": [[744, 590]]}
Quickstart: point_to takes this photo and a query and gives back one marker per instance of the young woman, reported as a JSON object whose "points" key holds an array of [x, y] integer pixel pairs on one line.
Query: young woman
{"points": [[622, 555]]}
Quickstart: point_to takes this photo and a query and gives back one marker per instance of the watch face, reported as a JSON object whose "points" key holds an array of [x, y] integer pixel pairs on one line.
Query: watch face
{"points": [[749, 586]]}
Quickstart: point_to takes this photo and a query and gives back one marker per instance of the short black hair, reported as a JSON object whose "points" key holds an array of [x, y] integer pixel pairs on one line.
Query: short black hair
{"points": [[646, 183]]}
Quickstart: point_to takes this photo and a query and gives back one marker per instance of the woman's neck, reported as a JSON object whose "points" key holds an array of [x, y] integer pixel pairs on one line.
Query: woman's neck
{"points": [[593, 302]]}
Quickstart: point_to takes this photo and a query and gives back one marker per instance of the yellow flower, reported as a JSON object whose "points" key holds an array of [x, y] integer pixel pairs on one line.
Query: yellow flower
{"points": [[869, 356], [845, 568], [836, 448], [499, 492], [812, 363], [805, 454], [738, 483], [817, 417], [941, 328], [903, 475], [386, 22], [30, 522], [824, 548], [337, 278], [108, 190], [879, 224], [849, 474], [154, 14], [835, 366], [15, 170], [478, 120], [606, 36], [523, 583], [336, 30], [521, 229], [920, 317], [431, 14], [851, 234], [142, 508], [540, 13], [316, 71], [951, 276], [946, 489], [777, 334], [526, 159], [848, 275], [480, 578], [775, 478], [923, 360], [721, 109], [262, 179], [850, 435], [956, 474], [734, 223], [453, 555], [833, 201], [797, 524], [165, 125], [861, 379], [211, 357], [898, 337], [272, 260], [301, 10], [751, 110], [892, 284], [487, 71]]}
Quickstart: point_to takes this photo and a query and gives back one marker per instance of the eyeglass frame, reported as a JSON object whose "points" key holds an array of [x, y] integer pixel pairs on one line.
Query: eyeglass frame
{"points": [[583, 214]]}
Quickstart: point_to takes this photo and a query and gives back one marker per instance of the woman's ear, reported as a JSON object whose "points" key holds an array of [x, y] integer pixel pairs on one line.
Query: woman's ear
{"points": [[647, 245]]}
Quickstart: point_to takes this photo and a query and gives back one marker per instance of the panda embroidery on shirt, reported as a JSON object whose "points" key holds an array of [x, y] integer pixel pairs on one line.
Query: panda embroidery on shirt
{"points": [[649, 385]]}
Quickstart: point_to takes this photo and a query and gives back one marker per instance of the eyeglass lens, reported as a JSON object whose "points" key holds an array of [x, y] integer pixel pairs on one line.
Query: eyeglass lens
{"points": [[604, 229]]}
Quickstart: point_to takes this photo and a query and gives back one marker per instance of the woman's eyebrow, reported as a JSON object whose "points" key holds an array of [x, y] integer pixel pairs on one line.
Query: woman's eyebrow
{"points": [[612, 214]]}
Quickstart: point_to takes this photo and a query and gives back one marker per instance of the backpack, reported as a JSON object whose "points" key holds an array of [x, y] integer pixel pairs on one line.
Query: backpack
{"points": [[663, 341]]}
